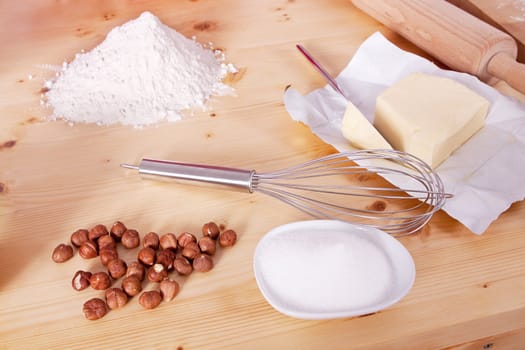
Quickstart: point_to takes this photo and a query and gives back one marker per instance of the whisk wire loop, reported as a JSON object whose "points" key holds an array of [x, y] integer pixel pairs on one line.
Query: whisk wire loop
{"points": [[424, 193]]}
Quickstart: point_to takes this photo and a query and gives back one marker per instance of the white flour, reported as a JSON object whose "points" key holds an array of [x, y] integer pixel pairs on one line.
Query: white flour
{"points": [[142, 73]]}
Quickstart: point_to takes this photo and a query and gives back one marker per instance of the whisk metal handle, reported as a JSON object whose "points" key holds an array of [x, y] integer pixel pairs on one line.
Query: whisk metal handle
{"points": [[231, 177]]}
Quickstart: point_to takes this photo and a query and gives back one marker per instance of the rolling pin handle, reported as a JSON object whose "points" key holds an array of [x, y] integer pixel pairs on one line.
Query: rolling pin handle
{"points": [[503, 66]]}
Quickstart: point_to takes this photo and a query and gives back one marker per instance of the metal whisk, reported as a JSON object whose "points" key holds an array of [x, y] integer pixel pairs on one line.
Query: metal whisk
{"points": [[322, 187]]}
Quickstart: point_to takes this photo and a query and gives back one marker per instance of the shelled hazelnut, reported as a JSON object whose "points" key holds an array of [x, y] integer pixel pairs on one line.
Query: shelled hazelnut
{"points": [[184, 238], [135, 268], [106, 255], [132, 285], [150, 299], [207, 245], [130, 239], [117, 230], [191, 250], [79, 236], [157, 273], [100, 281], [115, 298], [210, 229], [117, 268], [62, 252], [97, 231], [169, 289], [168, 241], [147, 256], [166, 258], [94, 309], [88, 250], [80, 280], [157, 256], [202, 263], [227, 238], [182, 266], [106, 242], [151, 240]]}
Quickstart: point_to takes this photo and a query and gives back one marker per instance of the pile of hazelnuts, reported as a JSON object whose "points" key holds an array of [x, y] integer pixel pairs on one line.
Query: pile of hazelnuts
{"points": [[156, 259]]}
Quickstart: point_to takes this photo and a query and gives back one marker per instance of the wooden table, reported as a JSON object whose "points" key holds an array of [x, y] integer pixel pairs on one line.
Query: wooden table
{"points": [[54, 178]]}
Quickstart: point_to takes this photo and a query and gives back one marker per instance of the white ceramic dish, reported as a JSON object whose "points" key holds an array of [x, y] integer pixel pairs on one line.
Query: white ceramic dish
{"points": [[383, 270]]}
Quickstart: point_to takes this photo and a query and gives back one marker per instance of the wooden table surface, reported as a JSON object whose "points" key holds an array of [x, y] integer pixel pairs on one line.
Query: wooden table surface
{"points": [[469, 291]]}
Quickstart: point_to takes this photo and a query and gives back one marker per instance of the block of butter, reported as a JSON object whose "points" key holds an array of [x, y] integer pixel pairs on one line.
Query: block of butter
{"points": [[360, 132], [429, 116]]}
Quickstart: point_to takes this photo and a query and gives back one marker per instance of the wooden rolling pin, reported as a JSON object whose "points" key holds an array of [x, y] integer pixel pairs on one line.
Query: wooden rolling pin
{"points": [[507, 15], [458, 39]]}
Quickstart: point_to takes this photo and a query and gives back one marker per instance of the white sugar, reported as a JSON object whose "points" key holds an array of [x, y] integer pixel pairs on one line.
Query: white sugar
{"points": [[324, 273], [142, 73]]}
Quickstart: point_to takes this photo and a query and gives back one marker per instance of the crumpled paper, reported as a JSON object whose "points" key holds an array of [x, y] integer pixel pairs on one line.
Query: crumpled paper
{"points": [[485, 175]]}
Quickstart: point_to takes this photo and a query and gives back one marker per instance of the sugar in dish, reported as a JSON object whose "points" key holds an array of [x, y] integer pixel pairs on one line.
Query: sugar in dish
{"points": [[322, 269]]}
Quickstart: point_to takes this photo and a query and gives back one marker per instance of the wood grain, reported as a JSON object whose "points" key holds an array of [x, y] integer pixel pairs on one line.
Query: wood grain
{"points": [[56, 178]]}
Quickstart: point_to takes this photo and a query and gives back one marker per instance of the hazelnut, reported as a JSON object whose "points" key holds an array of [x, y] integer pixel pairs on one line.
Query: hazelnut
{"points": [[169, 289], [191, 250], [132, 285], [146, 256], [88, 250], [168, 241], [151, 240], [117, 230], [62, 252], [210, 229], [100, 281], [97, 231], [79, 236], [94, 309], [80, 280], [136, 269], [106, 242], [157, 273], [166, 257], [106, 255], [130, 239], [115, 298], [227, 238], [203, 263], [182, 266], [117, 268], [207, 245], [185, 238], [150, 299]]}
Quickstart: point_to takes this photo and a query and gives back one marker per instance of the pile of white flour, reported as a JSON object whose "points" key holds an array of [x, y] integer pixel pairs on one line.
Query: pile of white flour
{"points": [[142, 73]]}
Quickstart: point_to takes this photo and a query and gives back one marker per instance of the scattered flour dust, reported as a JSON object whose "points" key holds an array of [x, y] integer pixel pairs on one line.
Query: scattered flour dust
{"points": [[144, 72]]}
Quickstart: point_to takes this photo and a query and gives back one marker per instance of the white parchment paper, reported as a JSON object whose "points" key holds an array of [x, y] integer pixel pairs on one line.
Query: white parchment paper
{"points": [[486, 175]]}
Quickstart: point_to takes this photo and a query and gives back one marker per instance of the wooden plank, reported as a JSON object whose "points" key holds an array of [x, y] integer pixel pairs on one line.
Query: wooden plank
{"points": [[57, 178]]}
